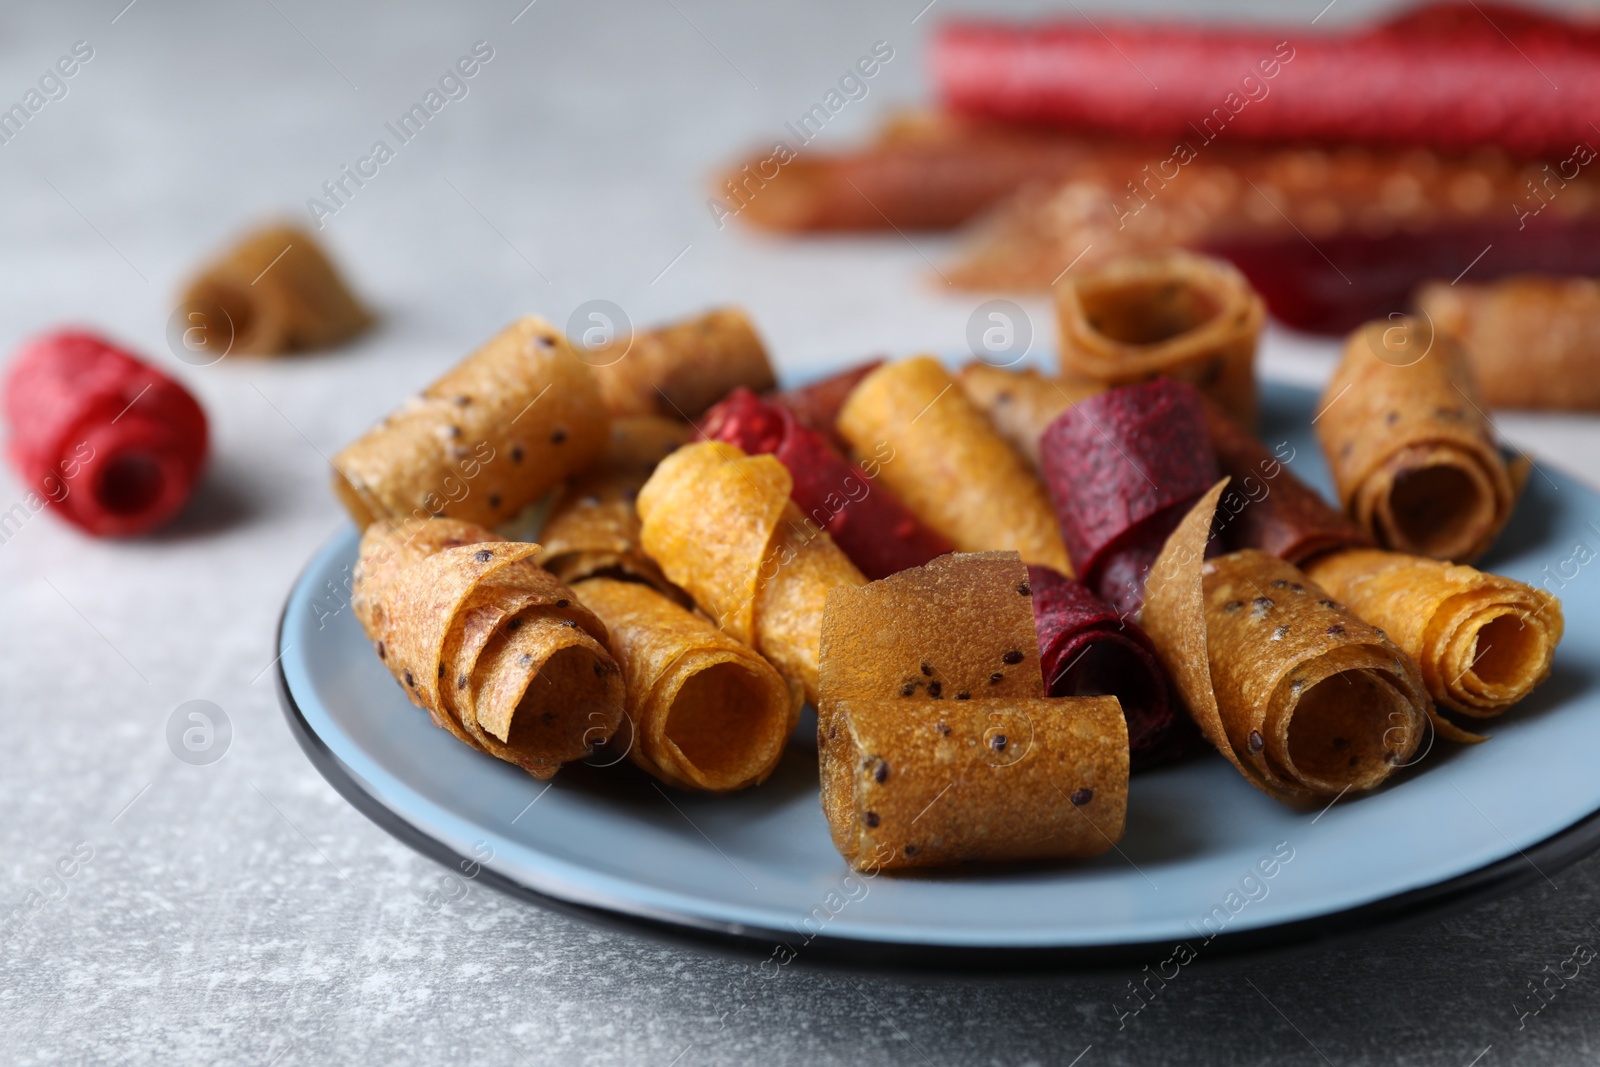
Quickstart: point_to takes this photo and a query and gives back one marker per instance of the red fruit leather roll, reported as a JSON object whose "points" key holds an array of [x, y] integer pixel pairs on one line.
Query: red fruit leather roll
{"points": [[115, 444], [1086, 649], [1439, 79], [1122, 468], [873, 528]]}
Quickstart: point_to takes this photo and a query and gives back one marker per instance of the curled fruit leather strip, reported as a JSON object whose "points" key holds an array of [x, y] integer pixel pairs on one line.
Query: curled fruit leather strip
{"points": [[721, 527], [706, 713], [817, 405], [937, 743], [494, 434], [874, 529], [1303, 697], [1020, 404], [494, 648], [1413, 454], [593, 529], [1266, 506], [940, 456], [112, 443], [1122, 467], [1453, 83], [273, 291], [1085, 649], [679, 370], [1483, 642], [1533, 342], [1176, 314]]}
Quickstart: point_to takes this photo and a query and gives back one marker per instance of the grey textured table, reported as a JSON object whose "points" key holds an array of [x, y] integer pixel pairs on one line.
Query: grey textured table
{"points": [[241, 912]]}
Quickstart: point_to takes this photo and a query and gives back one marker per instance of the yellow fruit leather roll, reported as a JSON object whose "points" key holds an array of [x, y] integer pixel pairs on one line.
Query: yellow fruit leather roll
{"points": [[1020, 404], [706, 712], [679, 370], [273, 291], [495, 433], [948, 465], [1483, 642], [721, 527], [493, 647], [1176, 313], [1412, 452], [936, 740], [1303, 697]]}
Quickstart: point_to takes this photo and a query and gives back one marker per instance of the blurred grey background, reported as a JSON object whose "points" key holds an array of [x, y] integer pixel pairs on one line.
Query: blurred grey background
{"points": [[241, 912]]}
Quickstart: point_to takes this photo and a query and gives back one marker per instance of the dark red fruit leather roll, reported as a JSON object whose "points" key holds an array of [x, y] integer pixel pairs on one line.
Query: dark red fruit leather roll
{"points": [[1454, 76], [1122, 467], [873, 528], [817, 405], [114, 444]]}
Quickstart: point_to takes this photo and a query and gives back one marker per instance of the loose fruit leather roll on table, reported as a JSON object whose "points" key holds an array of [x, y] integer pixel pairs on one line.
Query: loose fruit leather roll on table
{"points": [[494, 434], [721, 526], [1412, 452], [491, 645], [937, 743], [947, 464], [678, 370], [704, 711], [1021, 404]]}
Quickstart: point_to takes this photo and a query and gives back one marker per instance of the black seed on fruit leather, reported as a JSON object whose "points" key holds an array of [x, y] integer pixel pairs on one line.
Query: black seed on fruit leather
{"points": [[1391, 758], [1025, 589], [927, 671], [880, 773], [513, 626], [998, 742], [1335, 630], [1299, 683], [911, 850], [1232, 606], [996, 678], [1392, 418], [1280, 633], [1080, 797], [908, 689], [1257, 742], [1260, 606], [1280, 583], [1340, 742], [1326, 603], [548, 717], [1381, 633], [1011, 658], [963, 695], [944, 731], [461, 681], [412, 682], [1344, 453], [871, 819], [569, 624], [1354, 760], [441, 670], [563, 603], [494, 500], [558, 436], [935, 689], [454, 432], [1296, 587], [383, 653], [516, 453], [483, 555], [463, 401]]}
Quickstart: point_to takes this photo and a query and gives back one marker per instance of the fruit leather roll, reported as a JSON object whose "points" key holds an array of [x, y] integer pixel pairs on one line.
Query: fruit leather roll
{"points": [[679, 370], [1533, 342], [1412, 452], [1185, 316], [273, 291], [115, 445], [593, 529], [492, 646], [941, 457], [817, 405], [1122, 467], [721, 526], [1020, 404], [1483, 642], [1265, 506], [1303, 697], [1085, 649], [497, 432], [864, 519], [937, 743], [705, 711]]}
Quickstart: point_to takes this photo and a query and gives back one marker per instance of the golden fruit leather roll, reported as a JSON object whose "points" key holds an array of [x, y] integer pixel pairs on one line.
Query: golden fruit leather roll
{"points": [[705, 711], [274, 290], [1482, 641], [1413, 454], [1177, 314], [1020, 404], [492, 646], [1303, 697], [936, 740], [497, 432], [721, 526], [1533, 342], [948, 465], [679, 370], [593, 529]]}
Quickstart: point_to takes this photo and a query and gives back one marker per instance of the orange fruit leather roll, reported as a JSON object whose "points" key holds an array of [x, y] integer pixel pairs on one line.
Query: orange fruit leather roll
{"points": [[492, 646], [1177, 314], [937, 743], [1533, 342], [1412, 452], [593, 529], [721, 526], [494, 434], [1020, 404], [1299, 694], [679, 370], [1483, 642], [706, 712], [273, 291], [948, 465]]}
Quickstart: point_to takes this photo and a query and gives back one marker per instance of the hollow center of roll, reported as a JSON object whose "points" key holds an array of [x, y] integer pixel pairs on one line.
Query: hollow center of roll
{"points": [[1432, 506], [1505, 646], [1110, 668], [1147, 313], [564, 711], [129, 484], [1341, 729], [711, 721]]}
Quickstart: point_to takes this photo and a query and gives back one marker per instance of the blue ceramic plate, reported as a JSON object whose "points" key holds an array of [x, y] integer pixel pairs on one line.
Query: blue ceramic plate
{"points": [[1207, 859]]}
